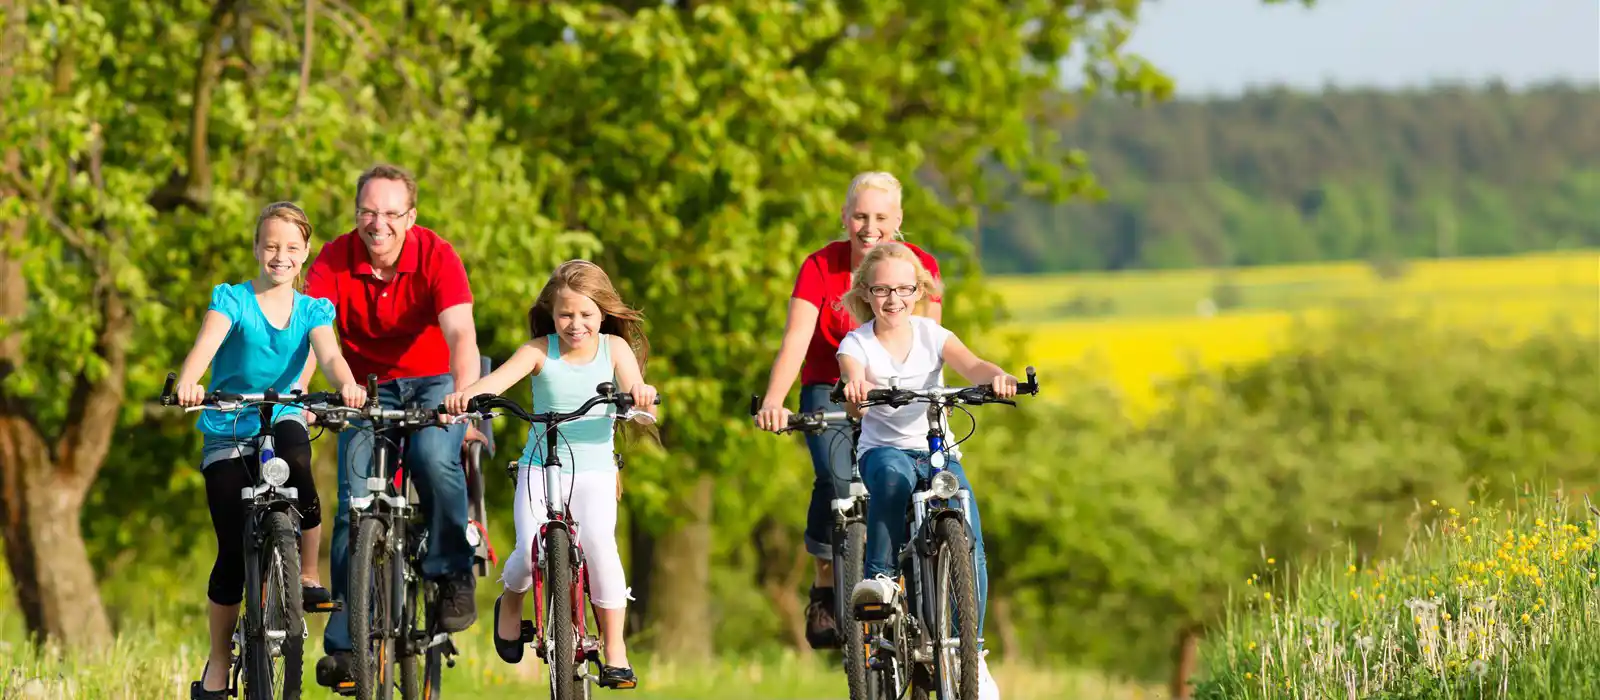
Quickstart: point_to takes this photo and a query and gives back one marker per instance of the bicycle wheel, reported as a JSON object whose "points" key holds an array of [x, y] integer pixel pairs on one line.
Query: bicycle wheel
{"points": [[955, 611], [855, 650], [558, 621], [275, 641], [422, 603], [370, 621]]}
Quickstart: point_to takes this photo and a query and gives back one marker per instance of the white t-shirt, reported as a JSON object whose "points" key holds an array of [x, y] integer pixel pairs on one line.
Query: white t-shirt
{"points": [[905, 427]]}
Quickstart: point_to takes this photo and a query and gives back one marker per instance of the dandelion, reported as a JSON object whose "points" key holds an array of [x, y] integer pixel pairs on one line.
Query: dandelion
{"points": [[1267, 596]]}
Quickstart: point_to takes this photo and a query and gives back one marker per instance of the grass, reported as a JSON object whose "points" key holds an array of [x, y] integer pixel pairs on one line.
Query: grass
{"points": [[161, 646], [1139, 329], [1483, 603]]}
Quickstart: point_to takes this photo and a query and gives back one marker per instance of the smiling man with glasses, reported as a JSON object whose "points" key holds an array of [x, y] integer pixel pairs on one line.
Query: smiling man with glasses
{"points": [[404, 313]]}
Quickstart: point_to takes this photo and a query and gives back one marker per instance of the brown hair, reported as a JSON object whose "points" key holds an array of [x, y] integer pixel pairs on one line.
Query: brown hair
{"points": [[586, 278], [858, 300], [288, 213], [384, 171]]}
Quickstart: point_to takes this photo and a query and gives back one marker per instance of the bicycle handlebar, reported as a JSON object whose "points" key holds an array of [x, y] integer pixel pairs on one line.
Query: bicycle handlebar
{"points": [[806, 422], [975, 395], [481, 407], [220, 399]]}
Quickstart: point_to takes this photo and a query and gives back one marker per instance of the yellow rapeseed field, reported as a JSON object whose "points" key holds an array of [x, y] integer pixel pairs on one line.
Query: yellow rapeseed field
{"points": [[1153, 326]]}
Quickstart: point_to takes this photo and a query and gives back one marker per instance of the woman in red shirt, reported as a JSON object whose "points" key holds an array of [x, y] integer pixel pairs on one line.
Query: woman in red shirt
{"points": [[816, 324]]}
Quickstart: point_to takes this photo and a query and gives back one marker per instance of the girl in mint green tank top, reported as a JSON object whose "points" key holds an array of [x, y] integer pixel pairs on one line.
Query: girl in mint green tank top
{"points": [[582, 334]]}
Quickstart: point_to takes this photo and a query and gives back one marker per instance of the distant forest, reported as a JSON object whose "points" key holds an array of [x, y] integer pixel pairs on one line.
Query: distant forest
{"points": [[1277, 176]]}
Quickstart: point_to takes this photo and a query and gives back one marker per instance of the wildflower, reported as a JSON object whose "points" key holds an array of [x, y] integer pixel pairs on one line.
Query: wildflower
{"points": [[1267, 596], [1524, 618], [1435, 503], [1272, 560], [1251, 647], [1352, 568], [1248, 675]]}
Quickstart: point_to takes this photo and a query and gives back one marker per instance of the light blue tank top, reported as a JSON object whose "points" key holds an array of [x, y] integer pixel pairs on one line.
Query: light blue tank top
{"points": [[585, 444]]}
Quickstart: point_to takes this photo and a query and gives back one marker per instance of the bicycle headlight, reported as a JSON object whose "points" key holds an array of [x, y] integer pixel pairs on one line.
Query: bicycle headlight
{"points": [[945, 485], [275, 471]]}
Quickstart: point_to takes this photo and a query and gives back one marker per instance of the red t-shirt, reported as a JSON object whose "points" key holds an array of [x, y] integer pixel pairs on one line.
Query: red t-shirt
{"points": [[390, 327], [824, 278]]}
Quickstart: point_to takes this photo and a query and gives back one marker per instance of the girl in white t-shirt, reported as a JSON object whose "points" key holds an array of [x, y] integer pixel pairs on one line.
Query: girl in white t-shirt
{"points": [[889, 288]]}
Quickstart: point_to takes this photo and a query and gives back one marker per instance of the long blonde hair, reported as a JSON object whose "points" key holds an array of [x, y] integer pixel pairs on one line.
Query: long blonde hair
{"points": [[289, 213], [586, 278], [858, 300], [880, 180]]}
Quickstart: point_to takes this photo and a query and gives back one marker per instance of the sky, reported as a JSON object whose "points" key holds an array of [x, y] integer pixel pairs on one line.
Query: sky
{"points": [[1225, 46]]}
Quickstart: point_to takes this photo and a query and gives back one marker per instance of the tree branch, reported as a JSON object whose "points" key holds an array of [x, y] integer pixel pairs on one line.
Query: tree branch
{"points": [[94, 403], [305, 54], [193, 188]]}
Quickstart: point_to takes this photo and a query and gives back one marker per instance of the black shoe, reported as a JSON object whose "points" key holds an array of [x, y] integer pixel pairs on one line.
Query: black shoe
{"points": [[333, 671], [510, 650], [316, 599], [822, 630], [617, 678], [197, 689], [457, 607]]}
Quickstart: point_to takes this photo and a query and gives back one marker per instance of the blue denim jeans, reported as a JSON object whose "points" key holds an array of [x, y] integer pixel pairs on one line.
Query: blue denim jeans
{"points": [[891, 473], [830, 461], [433, 457]]}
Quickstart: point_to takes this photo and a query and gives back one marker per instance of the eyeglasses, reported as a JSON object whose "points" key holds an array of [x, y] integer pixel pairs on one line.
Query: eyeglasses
{"points": [[882, 290], [368, 215]]}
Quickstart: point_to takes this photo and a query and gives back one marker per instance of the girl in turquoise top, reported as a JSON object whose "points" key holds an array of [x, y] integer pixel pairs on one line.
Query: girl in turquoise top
{"points": [[259, 335], [583, 334]]}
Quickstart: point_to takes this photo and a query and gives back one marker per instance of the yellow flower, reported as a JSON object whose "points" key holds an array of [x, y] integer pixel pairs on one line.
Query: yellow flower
{"points": [[1434, 502], [1252, 647], [1355, 594], [1268, 596], [1272, 560], [1248, 675]]}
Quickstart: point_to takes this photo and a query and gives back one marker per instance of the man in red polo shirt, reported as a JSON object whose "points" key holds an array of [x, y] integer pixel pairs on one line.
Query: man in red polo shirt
{"points": [[404, 314]]}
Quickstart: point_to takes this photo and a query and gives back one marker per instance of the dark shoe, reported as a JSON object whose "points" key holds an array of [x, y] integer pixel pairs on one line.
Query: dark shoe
{"points": [[510, 650], [617, 678], [197, 689], [316, 599], [333, 671], [457, 607], [822, 630]]}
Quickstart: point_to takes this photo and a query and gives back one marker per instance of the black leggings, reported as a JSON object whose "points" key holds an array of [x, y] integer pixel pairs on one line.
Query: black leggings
{"points": [[226, 478]]}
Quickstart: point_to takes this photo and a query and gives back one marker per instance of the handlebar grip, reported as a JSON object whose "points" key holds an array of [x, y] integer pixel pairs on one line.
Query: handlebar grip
{"points": [[755, 404], [836, 394], [372, 389], [167, 399], [880, 394], [1032, 385]]}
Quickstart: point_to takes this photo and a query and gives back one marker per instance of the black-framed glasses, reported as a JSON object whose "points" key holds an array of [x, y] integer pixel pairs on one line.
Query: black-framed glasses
{"points": [[882, 290]]}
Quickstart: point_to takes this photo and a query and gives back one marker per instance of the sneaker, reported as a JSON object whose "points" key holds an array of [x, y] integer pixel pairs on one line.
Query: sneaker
{"points": [[458, 608], [333, 671], [987, 689], [879, 589], [822, 630]]}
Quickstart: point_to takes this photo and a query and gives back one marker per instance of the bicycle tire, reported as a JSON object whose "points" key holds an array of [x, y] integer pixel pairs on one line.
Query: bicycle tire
{"points": [[410, 684], [854, 641], [558, 624], [955, 585], [369, 610], [277, 608], [428, 685]]}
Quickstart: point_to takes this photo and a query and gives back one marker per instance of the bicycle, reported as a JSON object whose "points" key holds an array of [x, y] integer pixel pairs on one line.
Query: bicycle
{"points": [[849, 540], [920, 648], [273, 621], [387, 588], [564, 646]]}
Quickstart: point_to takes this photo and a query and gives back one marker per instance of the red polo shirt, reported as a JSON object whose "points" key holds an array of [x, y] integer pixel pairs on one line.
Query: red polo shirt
{"points": [[390, 327], [824, 277]]}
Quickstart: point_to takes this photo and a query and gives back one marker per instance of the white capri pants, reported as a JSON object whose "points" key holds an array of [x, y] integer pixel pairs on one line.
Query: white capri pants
{"points": [[594, 505]]}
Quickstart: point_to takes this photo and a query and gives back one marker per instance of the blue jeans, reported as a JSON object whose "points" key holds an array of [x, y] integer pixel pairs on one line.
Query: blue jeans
{"points": [[891, 473], [830, 460], [433, 457]]}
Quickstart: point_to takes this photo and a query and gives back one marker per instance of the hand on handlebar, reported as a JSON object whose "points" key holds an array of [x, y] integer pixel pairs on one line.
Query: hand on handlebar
{"points": [[772, 418], [855, 391], [457, 402], [354, 395], [191, 395], [644, 396], [1005, 386]]}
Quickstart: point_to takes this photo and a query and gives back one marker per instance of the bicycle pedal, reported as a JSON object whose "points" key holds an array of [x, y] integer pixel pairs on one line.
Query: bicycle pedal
{"points": [[873, 612], [331, 606], [528, 632], [345, 689]]}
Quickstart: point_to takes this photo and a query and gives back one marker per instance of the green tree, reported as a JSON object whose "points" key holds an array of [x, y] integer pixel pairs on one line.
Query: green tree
{"points": [[139, 141]]}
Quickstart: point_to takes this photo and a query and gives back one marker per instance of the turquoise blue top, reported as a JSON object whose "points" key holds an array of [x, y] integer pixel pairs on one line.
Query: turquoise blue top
{"points": [[256, 356], [585, 444]]}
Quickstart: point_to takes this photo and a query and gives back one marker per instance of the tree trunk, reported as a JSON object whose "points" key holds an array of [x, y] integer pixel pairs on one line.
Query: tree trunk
{"points": [[680, 580], [783, 563], [1185, 655]]}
